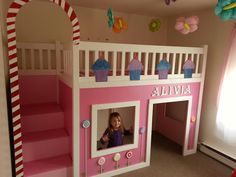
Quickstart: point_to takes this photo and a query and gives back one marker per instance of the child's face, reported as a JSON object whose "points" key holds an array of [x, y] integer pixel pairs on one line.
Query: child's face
{"points": [[115, 122]]}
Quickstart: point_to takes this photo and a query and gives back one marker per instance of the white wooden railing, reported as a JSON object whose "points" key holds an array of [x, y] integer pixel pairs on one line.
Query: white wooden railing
{"points": [[44, 58], [119, 56]]}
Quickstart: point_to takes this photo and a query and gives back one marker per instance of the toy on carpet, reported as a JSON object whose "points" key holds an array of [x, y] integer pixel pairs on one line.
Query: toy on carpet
{"points": [[154, 25], [117, 23], [187, 25], [226, 9]]}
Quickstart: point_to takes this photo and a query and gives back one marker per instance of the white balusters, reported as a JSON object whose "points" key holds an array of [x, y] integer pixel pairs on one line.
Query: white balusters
{"points": [[123, 64], [86, 57], [145, 64], [115, 57], [153, 63], [197, 63], [173, 64]]}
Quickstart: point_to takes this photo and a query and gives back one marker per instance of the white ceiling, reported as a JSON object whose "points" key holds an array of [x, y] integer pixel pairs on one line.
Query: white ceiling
{"points": [[148, 7]]}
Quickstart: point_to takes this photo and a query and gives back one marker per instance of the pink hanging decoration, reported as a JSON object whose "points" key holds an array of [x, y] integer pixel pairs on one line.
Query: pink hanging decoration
{"points": [[187, 25], [168, 1]]}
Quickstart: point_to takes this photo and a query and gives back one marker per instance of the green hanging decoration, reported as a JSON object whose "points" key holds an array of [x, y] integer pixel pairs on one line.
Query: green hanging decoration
{"points": [[110, 18], [154, 25]]}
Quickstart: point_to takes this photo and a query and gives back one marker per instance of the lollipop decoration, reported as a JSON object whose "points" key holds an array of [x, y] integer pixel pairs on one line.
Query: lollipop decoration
{"points": [[116, 158], [128, 155], [154, 25], [101, 162], [85, 125]]}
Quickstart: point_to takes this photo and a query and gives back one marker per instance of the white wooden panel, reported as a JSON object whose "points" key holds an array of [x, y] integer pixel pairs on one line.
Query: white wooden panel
{"points": [[86, 58], [123, 64], [173, 63], [106, 55], [115, 57], [96, 55], [145, 64], [168, 57], [197, 63], [180, 63], [153, 62]]}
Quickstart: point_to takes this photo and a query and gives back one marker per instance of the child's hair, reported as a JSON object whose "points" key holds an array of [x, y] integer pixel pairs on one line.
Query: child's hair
{"points": [[115, 115]]}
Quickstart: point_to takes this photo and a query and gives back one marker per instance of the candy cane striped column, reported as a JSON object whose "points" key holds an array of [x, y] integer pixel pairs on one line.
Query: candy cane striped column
{"points": [[14, 84], [13, 73], [73, 18]]}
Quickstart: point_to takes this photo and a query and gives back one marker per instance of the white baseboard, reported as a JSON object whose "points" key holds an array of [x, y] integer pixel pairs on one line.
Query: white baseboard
{"points": [[218, 155]]}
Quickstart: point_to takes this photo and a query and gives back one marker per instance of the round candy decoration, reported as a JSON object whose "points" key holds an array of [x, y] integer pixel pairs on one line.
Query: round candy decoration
{"points": [[101, 161], [142, 130], [116, 157], [86, 124], [129, 154]]}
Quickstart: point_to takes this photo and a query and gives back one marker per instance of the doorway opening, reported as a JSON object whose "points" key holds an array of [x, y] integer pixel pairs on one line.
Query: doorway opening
{"points": [[170, 121]]}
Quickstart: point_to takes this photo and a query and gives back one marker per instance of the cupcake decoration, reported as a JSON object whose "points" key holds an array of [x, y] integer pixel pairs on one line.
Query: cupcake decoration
{"points": [[163, 69], [188, 68], [101, 68], [135, 68]]}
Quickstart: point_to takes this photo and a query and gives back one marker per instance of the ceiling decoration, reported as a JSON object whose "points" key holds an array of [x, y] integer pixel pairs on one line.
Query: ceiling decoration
{"points": [[168, 1]]}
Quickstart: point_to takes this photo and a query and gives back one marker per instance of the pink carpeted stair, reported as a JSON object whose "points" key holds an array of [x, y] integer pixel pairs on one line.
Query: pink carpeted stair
{"points": [[45, 141]]}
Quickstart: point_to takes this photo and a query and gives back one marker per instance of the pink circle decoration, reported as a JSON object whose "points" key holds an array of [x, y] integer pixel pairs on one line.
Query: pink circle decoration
{"points": [[142, 130], [101, 161], [129, 154]]}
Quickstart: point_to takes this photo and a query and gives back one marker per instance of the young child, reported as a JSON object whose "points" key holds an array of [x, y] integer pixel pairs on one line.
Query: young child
{"points": [[115, 131]]}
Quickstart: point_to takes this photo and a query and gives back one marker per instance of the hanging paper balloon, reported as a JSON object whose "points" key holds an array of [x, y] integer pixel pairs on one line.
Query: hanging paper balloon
{"points": [[154, 25], [168, 1], [110, 18], [226, 9], [187, 25], [119, 24]]}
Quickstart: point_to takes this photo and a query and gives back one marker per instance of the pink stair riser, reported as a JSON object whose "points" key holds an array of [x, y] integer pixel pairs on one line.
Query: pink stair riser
{"points": [[60, 166], [40, 145], [41, 122]]}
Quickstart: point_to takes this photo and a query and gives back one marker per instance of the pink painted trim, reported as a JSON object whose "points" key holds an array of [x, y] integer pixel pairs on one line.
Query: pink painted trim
{"points": [[13, 73], [226, 61]]}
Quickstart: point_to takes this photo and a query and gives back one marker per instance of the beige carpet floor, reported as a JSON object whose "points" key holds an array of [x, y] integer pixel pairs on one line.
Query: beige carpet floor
{"points": [[167, 161]]}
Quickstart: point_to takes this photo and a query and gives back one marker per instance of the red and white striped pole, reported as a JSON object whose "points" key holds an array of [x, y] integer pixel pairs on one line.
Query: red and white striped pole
{"points": [[13, 71]]}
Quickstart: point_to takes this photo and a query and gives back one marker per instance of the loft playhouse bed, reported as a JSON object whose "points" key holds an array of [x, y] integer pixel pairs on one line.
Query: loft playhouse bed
{"points": [[63, 109]]}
